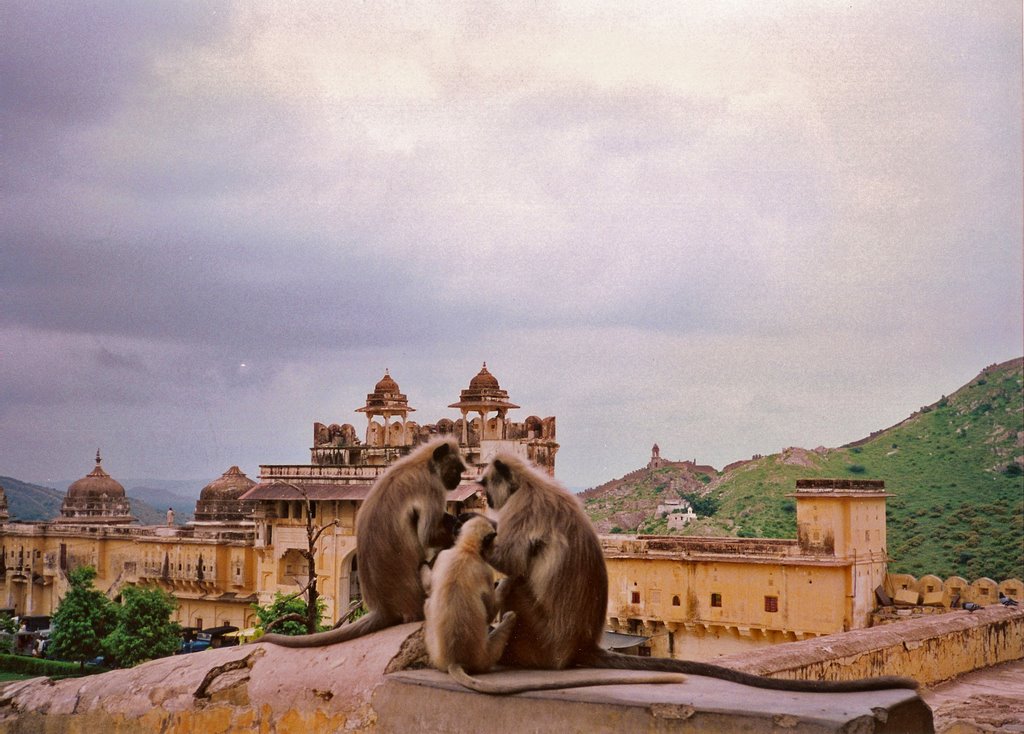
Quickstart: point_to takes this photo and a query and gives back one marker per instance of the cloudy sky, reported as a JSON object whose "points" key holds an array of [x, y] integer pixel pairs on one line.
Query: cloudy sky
{"points": [[726, 228]]}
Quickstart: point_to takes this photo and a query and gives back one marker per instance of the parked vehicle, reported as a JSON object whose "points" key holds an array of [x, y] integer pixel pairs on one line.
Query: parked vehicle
{"points": [[193, 646]]}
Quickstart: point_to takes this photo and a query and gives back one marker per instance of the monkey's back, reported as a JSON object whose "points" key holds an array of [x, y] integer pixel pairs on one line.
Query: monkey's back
{"points": [[388, 551], [561, 611]]}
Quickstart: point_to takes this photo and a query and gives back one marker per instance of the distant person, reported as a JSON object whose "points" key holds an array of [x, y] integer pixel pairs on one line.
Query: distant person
{"points": [[170, 516]]}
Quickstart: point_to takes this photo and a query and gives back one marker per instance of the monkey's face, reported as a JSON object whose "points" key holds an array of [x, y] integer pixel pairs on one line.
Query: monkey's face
{"points": [[498, 484], [477, 532], [447, 463]]}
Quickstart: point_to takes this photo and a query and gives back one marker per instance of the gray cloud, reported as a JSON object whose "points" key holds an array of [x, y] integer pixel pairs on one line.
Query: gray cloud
{"points": [[716, 230]]}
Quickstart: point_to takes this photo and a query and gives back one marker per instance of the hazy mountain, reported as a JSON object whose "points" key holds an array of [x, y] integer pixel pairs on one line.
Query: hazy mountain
{"points": [[28, 502], [31, 501], [160, 499]]}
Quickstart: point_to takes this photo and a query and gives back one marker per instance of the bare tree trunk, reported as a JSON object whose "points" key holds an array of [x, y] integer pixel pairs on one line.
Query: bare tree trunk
{"points": [[313, 534]]}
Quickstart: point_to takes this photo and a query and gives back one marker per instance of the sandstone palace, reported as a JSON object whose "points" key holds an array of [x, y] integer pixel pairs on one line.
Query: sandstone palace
{"points": [[672, 596], [244, 544]]}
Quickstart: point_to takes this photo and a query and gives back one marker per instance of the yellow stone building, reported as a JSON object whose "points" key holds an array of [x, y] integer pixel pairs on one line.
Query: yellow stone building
{"points": [[244, 544], [696, 598], [207, 566], [689, 597]]}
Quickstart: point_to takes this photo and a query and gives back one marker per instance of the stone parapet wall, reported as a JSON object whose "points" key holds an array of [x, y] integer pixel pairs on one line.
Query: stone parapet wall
{"points": [[931, 590], [928, 649], [362, 685]]}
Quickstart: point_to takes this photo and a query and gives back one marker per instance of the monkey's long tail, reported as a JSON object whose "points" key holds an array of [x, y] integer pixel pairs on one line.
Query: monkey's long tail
{"points": [[566, 679], [371, 622], [606, 659]]}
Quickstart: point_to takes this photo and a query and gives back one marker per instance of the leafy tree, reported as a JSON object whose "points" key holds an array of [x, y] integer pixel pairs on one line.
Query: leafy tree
{"points": [[144, 629], [7, 629], [703, 505], [82, 618], [286, 615]]}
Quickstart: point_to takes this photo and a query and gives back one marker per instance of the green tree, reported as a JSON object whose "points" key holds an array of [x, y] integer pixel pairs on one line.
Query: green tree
{"points": [[287, 615], [81, 619], [144, 629], [703, 505], [7, 629]]}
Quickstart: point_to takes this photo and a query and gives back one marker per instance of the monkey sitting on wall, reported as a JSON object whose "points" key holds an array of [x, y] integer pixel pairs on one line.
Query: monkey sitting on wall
{"points": [[462, 601], [400, 524], [548, 548]]}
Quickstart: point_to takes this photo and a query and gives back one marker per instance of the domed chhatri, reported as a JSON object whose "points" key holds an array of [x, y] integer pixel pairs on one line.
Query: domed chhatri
{"points": [[220, 500], [231, 485], [96, 483], [391, 432], [96, 498], [484, 394], [484, 380], [5, 514], [386, 400]]}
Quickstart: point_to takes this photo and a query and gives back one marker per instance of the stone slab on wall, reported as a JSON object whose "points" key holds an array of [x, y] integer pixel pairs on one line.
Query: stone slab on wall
{"points": [[429, 701], [262, 688], [929, 649], [348, 687]]}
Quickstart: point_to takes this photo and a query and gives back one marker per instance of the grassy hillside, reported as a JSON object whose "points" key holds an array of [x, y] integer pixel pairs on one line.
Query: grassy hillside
{"points": [[954, 469], [31, 501]]}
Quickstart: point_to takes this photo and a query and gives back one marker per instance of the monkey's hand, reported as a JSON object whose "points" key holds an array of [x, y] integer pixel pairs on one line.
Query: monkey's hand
{"points": [[450, 526], [501, 589], [425, 578]]}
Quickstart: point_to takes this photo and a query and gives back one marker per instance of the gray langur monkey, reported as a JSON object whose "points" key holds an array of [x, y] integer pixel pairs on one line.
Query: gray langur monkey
{"points": [[400, 524], [558, 589], [461, 603]]}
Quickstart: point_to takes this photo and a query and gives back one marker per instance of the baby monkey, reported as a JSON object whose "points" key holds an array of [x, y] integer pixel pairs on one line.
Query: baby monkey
{"points": [[461, 603]]}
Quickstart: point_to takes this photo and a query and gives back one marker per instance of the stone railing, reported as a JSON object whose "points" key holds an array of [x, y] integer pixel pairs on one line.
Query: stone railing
{"points": [[927, 649], [931, 590]]}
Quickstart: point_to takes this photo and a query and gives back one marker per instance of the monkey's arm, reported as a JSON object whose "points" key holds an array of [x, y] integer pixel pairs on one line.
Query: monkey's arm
{"points": [[425, 578], [511, 553], [433, 528]]}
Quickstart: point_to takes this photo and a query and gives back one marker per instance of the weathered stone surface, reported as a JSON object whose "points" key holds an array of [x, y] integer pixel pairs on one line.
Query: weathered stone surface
{"points": [[429, 701], [929, 649], [264, 688], [269, 688], [988, 700]]}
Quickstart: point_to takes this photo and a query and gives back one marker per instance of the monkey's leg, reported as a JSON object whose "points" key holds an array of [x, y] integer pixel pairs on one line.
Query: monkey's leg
{"points": [[497, 639]]}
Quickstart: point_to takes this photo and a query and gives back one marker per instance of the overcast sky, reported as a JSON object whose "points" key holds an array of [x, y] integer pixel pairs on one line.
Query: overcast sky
{"points": [[726, 228]]}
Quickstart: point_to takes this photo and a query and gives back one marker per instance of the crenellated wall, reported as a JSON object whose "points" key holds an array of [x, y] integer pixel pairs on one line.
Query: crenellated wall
{"points": [[928, 650]]}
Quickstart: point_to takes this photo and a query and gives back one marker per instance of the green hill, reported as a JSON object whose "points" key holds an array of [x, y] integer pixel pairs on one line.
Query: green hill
{"points": [[953, 468], [31, 501]]}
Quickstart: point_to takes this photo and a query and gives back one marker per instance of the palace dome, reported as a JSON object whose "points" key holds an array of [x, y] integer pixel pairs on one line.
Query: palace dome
{"points": [[229, 486], [484, 380], [96, 498], [96, 483], [386, 385], [484, 393], [386, 399]]}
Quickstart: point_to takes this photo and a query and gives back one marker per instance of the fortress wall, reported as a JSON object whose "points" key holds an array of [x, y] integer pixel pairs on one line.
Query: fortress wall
{"points": [[929, 649]]}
